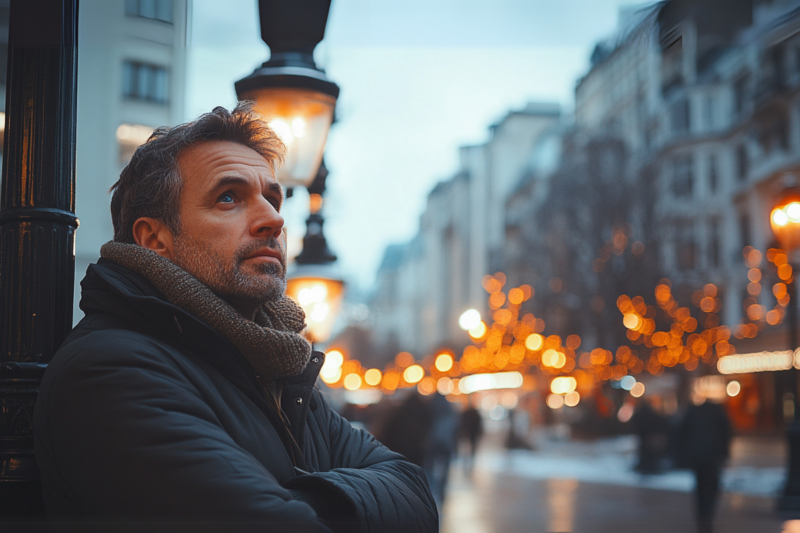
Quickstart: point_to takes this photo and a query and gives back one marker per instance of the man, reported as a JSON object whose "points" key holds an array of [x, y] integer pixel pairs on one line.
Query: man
{"points": [[703, 441], [187, 391]]}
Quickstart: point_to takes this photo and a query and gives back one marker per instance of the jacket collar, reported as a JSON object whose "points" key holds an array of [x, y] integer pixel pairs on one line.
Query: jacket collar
{"points": [[113, 289]]}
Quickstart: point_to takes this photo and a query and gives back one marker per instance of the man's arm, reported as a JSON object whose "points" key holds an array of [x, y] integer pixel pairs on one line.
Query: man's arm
{"points": [[121, 431], [388, 492]]}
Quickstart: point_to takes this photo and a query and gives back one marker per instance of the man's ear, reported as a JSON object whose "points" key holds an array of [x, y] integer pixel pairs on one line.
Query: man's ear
{"points": [[154, 235]]}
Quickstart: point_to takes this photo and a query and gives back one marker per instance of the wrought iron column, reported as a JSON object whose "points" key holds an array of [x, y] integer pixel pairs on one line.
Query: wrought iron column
{"points": [[37, 228]]}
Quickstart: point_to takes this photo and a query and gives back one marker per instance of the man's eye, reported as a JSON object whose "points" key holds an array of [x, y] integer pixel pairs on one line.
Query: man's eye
{"points": [[225, 198]]}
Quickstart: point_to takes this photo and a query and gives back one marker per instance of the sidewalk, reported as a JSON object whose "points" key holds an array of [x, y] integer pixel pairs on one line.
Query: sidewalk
{"points": [[590, 487]]}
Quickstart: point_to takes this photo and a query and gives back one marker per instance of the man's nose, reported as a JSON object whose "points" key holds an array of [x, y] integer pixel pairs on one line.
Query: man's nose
{"points": [[268, 221]]}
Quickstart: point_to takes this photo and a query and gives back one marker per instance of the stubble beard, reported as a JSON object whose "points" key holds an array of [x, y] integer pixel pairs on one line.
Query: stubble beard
{"points": [[226, 278]]}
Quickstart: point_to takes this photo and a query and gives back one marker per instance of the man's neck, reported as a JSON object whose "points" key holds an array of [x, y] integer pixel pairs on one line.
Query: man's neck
{"points": [[246, 308]]}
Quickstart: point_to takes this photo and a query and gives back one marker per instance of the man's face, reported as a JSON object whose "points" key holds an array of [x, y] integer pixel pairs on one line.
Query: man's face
{"points": [[231, 226]]}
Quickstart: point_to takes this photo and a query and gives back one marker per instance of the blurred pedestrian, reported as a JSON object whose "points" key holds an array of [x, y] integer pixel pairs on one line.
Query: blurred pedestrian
{"points": [[407, 428], [650, 427], [516, 438], [703, 446], [441, 445], [470, 429]]}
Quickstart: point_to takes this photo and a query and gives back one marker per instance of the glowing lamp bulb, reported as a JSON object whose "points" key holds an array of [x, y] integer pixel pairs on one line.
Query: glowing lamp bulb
{"points": [[779, 217], [282, 129], [793, 211]]}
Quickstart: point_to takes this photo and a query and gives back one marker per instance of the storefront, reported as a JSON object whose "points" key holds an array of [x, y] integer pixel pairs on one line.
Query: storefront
{"points": [[759, 389]]}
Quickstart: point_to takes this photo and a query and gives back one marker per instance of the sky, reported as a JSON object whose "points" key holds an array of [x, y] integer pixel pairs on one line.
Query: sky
{"points": [[418, 79]]}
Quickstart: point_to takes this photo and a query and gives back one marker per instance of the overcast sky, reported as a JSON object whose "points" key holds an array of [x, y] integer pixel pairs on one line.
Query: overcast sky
{"points": [[418, 79]]}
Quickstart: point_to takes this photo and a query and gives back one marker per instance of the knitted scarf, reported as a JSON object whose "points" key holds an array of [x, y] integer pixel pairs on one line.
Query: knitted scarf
{"points": [[271, 343]]}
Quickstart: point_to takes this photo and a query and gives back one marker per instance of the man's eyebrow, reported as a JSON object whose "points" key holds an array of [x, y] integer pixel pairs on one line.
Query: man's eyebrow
{"points": [[275, 188], [227, 181]]}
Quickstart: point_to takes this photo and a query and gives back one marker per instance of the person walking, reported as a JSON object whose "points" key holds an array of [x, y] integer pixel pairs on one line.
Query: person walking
{"points": [[441, 445], [470, 429], [704, 437], [407, 428], [650, 429]]}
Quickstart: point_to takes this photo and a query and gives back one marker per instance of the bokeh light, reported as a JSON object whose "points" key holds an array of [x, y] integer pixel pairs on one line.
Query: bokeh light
{"points": [[555, 401], [733, 388], [413, 374], [469, 319], [373, 376], [572, 399], [444, 362], [352, 382], [534, 342]]}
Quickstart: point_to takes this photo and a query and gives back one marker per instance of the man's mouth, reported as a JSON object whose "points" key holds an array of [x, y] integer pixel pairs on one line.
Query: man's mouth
{"points": [[267, 255]]}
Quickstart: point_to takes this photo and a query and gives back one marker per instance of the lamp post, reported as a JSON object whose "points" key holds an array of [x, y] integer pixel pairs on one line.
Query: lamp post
{"points": [[297, 100], [290, 92], [315, 283], [37, 228], [785, 223]]}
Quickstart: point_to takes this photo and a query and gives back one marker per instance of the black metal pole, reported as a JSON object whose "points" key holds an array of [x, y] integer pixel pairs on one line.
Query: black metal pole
{"points": [[790, 499], [37, 228], [315, 246]]}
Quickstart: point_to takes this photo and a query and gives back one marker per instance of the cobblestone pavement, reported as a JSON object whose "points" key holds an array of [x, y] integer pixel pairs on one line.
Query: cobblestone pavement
{"points": [[589, 487]]}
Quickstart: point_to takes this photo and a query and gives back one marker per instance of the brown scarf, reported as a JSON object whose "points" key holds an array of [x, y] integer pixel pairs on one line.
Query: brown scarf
{"points": [[271, 343]]}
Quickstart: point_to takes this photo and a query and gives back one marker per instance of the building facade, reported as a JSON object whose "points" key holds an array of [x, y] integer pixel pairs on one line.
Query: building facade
{"points": [[131, 79], [686, 128], [422, 287]]}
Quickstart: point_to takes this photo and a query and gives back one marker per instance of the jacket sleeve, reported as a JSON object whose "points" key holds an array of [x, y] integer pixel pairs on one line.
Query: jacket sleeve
{"points": [[388, 492], [123, 432]]}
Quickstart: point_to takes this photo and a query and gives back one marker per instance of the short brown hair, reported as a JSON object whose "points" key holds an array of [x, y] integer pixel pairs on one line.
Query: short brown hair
{"points": [[150, 184]]}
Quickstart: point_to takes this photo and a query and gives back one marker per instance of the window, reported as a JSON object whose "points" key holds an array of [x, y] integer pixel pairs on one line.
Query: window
{"points": [[679, 116], [742, 163], [744, 229], [713, 177], [714, 243], [682, 179], [150, 9], [709, 112], [141, 81], [740, 94], [130, 137], [686, 246], [672, 65]]}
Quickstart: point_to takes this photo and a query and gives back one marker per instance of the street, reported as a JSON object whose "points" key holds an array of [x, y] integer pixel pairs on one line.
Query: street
{"points": [[566, 486]]}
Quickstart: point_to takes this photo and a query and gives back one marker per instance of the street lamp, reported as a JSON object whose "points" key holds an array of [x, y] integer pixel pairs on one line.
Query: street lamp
{"points": [[297, 100], [290, 92], [785, 222], [315, 283]]}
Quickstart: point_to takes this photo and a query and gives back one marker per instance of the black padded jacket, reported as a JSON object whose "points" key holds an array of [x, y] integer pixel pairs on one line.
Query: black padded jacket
{"points": [[146, 413]]}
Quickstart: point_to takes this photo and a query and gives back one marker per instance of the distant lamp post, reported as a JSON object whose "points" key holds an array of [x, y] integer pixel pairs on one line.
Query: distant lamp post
{"points": [[314, 282], [290, 92], [785, 222]]}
